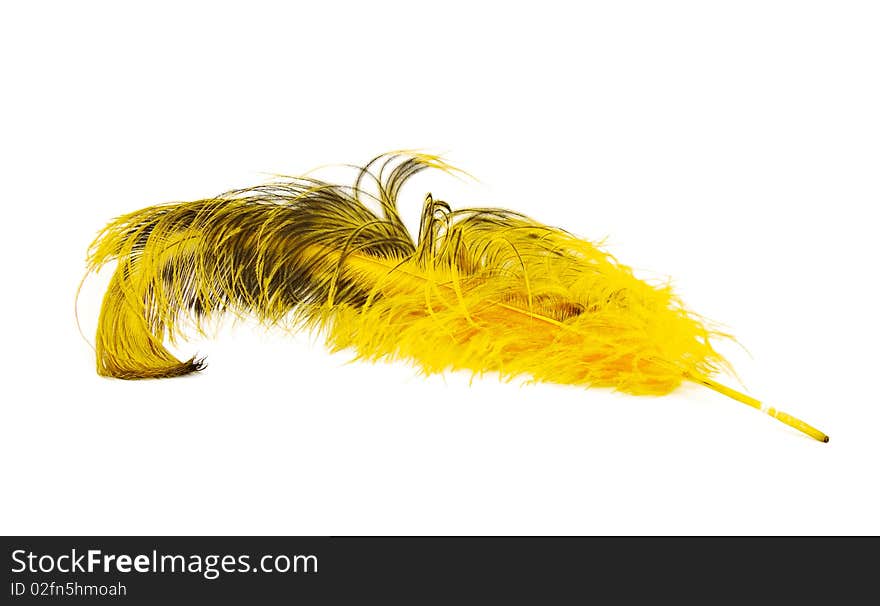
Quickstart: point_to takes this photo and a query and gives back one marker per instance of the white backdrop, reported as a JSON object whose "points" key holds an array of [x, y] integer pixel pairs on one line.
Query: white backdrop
{"points": [[732, 146]]}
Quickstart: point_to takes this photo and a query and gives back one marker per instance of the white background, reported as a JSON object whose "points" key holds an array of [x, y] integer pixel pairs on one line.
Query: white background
{"points": [[733, 146]]}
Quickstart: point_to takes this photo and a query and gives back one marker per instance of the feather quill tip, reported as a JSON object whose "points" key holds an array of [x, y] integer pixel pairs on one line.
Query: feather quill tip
{"points": [[780, 416]]}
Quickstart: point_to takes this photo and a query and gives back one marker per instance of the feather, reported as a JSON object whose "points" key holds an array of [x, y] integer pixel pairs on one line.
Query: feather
{"points": [[480, 289]]}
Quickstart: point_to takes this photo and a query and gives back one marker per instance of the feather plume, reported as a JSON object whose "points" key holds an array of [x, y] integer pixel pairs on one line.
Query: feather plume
{"points": [[480, 289]]}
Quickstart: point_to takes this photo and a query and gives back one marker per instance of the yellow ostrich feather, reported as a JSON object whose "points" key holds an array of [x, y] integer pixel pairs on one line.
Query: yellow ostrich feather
{"points": [[481, 289]]}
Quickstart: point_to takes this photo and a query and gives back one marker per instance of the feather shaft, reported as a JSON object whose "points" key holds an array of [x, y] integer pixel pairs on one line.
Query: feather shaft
{"points": [[385, 269], [783, 417]]}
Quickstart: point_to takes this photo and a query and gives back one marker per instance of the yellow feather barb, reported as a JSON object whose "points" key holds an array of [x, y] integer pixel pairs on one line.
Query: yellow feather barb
{"points": [[482, 289]]}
